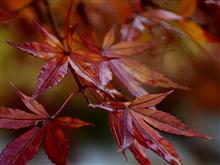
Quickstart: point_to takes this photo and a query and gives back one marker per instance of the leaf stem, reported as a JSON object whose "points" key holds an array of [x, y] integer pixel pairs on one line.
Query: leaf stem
{"points": [[64, 104]]}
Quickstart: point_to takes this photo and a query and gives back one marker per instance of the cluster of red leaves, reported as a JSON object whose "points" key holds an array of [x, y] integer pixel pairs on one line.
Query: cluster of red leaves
{"points": [[43, 127], [94, 66], [131, 125]]}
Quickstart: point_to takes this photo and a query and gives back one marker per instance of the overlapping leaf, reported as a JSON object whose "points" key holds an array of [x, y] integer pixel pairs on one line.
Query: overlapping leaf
{"points": [[132, 123], [43, 128], [129, 72], [132, 126]]}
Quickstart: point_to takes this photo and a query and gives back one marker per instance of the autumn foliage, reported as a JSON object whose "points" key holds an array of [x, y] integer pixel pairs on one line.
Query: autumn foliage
{"points": [[94, 63]]}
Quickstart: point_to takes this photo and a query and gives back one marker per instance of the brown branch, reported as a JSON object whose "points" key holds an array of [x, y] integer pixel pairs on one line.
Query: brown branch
{"points": [[80, 85]]}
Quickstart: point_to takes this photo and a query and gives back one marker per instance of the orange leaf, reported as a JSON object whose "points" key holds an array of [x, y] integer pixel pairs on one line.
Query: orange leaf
{"points": [[69, 122], [109, 38], [193, 30], [187, 7]]}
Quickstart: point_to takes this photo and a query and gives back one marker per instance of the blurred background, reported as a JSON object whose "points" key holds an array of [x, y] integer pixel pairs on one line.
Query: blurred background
{"points": [[193, 62]]}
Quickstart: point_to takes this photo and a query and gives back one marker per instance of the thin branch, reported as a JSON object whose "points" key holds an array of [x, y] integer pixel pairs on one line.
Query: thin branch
{"points": [[80, 85], [52, 20]]}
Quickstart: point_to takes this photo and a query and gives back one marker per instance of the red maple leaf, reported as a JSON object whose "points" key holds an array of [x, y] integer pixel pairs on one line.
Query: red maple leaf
{"points": [[132, 125], [59, 56], [43, 127]]}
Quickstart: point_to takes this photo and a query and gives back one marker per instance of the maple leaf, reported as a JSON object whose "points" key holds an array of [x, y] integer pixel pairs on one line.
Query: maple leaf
{"points": [[132, 125], [130, 73], [60, 56], [43, 127], [152, 18]]}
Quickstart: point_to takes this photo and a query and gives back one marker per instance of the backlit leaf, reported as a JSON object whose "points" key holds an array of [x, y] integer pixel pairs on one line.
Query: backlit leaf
{"points": [[139, 153], [149, 100], [32, 104], [109, 38], [16, 119], [51, 74], [127, 48], [40, 50], [164, 15], [147, 76], [69, 122], [23, 148], [56, 145], [168, 123]]}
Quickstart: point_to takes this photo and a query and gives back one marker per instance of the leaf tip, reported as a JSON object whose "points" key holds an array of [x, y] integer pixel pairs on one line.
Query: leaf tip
{"points": [[169, 92], [206, 137]]}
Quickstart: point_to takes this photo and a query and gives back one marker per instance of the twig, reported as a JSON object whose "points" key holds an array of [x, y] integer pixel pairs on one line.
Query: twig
{"points": [[52, 20], [80, 85]]}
